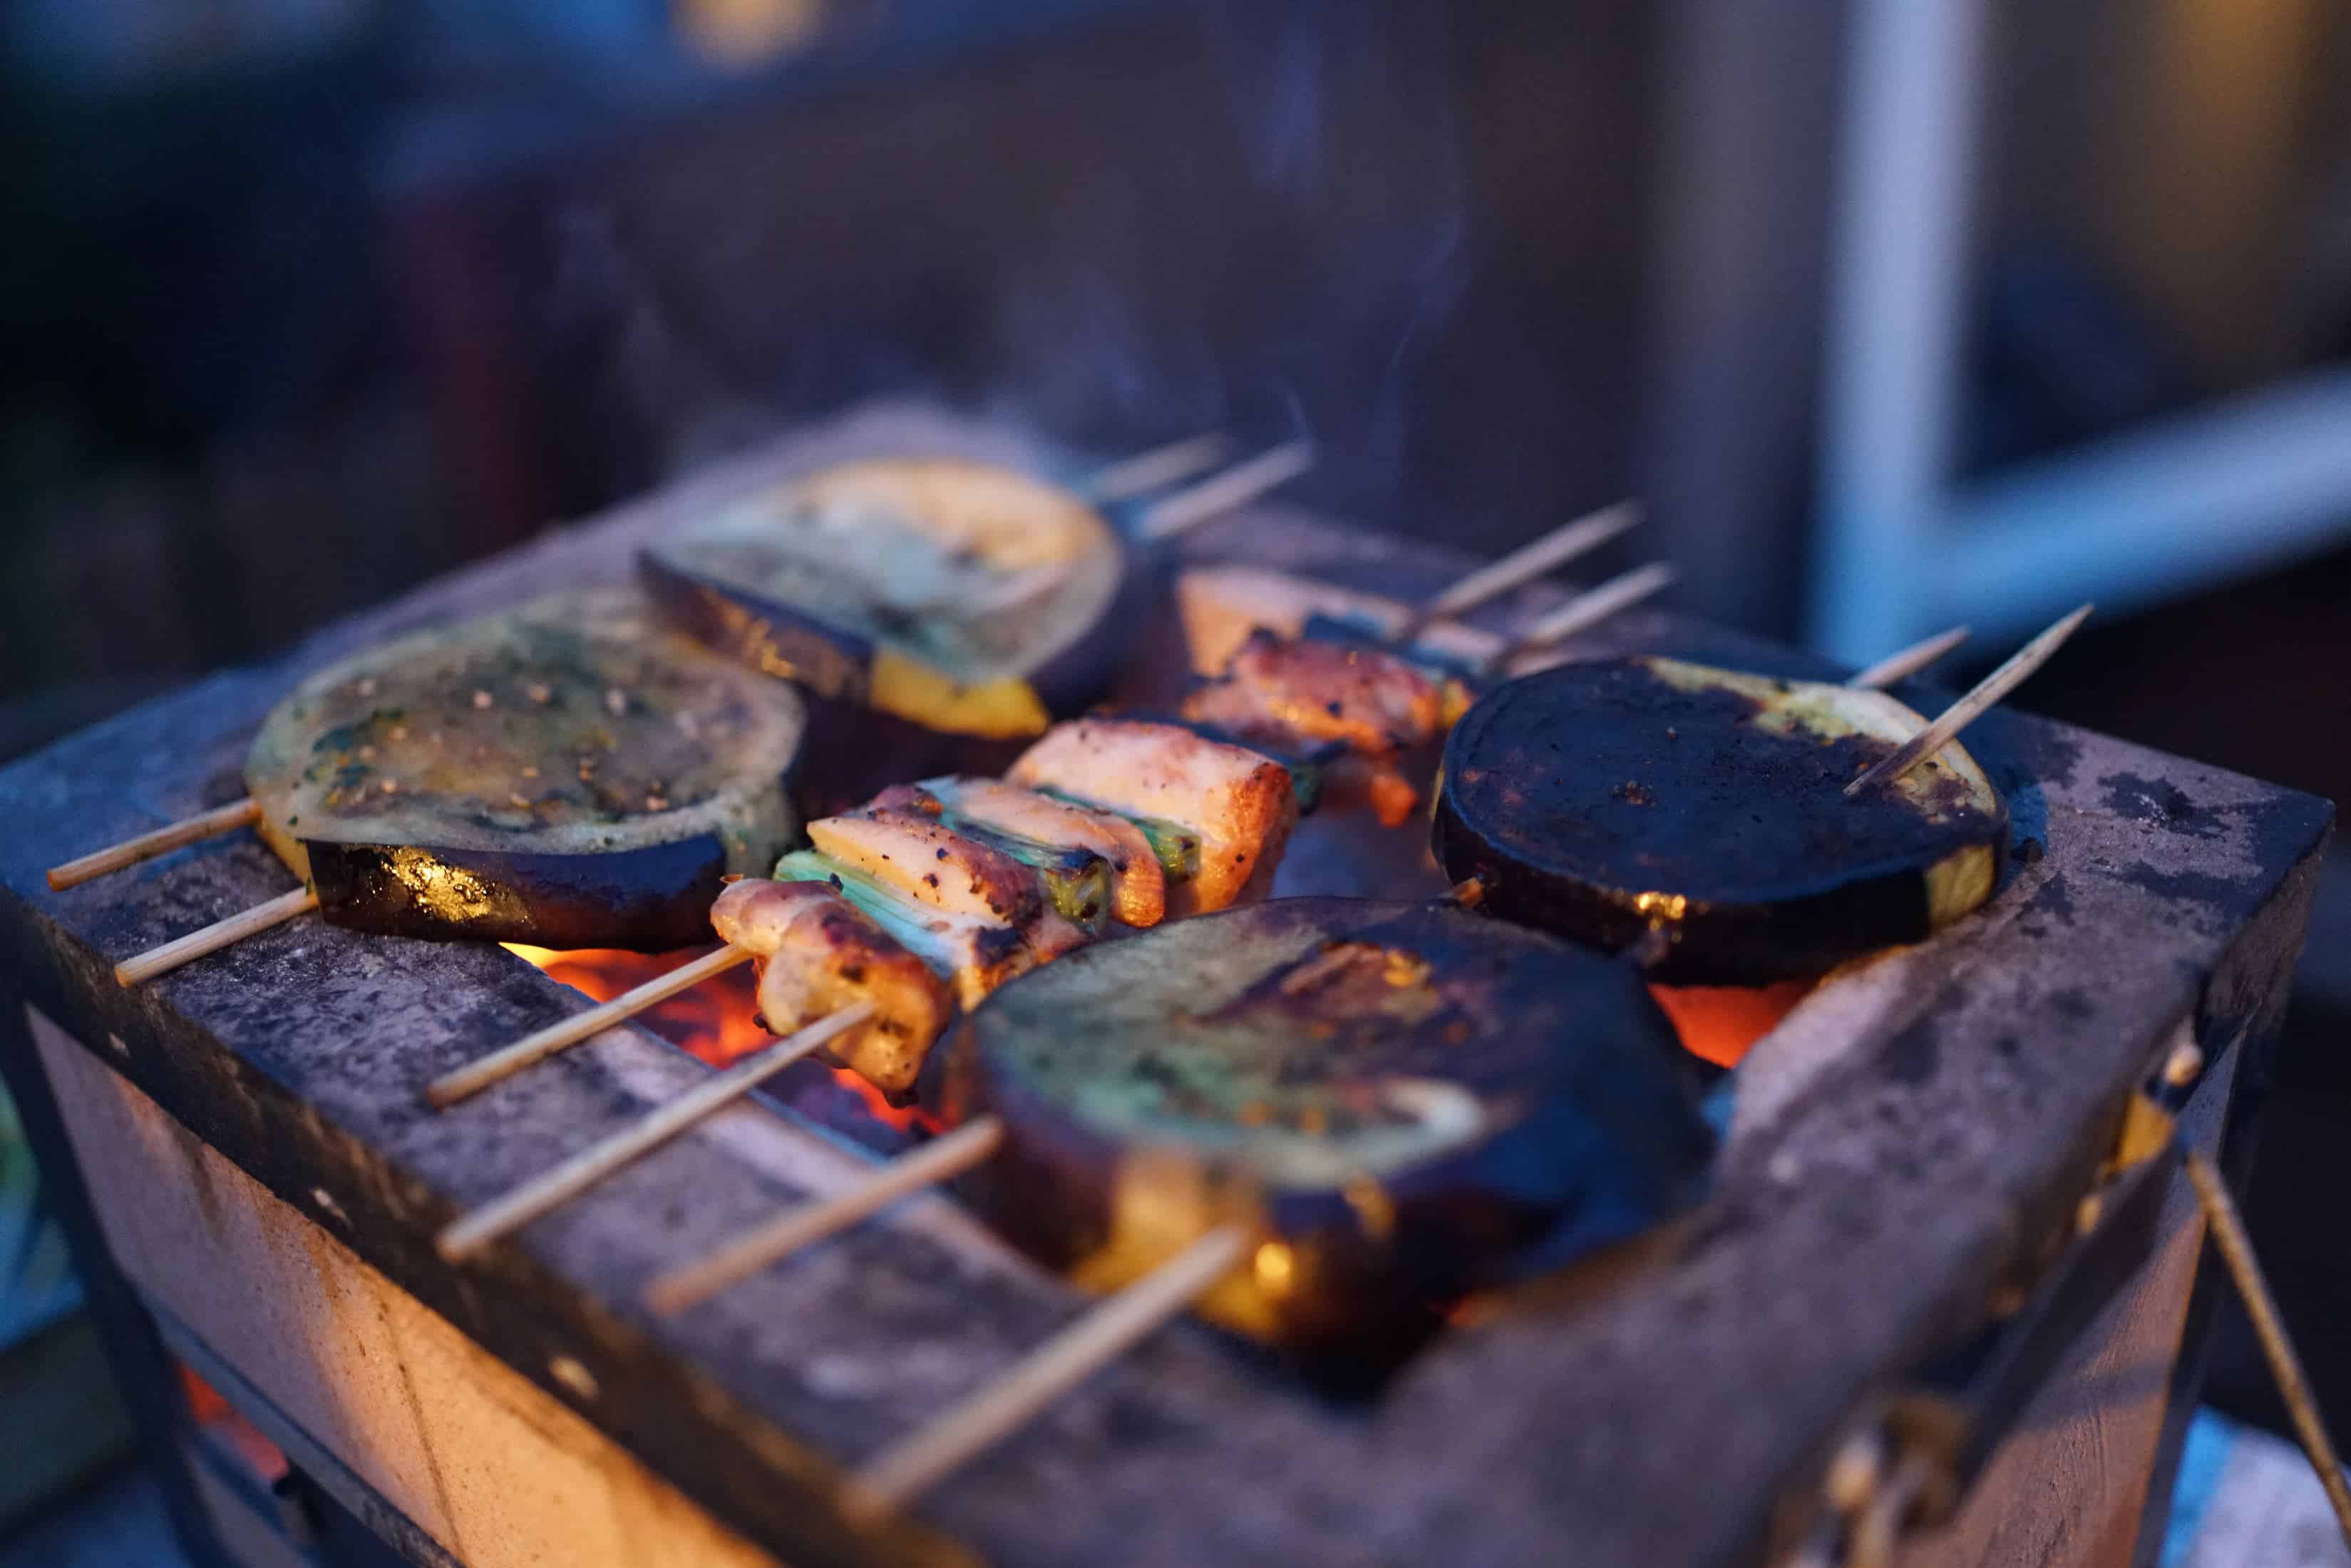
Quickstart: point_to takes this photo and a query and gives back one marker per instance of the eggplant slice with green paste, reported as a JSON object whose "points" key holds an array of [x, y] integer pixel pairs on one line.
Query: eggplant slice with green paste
{"points": [[569, 774], [1400, 1102], [965, 605], [1625, 800]]}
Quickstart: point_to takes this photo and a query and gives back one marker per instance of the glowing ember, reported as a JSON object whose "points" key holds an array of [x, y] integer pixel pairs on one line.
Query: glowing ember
{"points": [[1722, 1023], [717, 1022]]}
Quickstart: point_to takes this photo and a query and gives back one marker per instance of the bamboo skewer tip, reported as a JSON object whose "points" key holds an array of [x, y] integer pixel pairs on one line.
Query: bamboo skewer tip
{"points": [[220, 934], [941, 1159], [1946, 726], [907, 1469], [475, 1229], [503, 1063], [147, 845], [1545, 554]]}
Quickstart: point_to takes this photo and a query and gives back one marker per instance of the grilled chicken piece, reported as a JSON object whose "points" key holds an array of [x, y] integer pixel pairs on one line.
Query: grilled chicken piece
{"points": [[1138, 882], [1239, 803], [1297, 691], [815, 953], [921, 858]]}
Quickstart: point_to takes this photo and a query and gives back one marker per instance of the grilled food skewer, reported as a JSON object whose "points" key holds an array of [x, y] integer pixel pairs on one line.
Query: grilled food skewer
{"points": [[476, 1076], [220, 934], [1523, 565], [931, 895], [147, 846], [1948, 724], [915, 1464], [592, 1164], [942, 1159]]}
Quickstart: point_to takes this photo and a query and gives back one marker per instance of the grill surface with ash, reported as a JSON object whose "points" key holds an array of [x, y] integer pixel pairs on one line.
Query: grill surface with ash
{"points": [[1901, 1141]]}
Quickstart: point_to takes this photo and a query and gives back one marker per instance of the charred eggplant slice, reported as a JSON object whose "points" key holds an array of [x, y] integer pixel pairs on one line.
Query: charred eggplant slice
{"points": [[1609, 801], [1402, 1101], [962, 597], [567, 774]]}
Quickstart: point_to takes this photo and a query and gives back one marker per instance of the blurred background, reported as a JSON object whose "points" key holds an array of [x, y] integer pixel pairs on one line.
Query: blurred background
{"points": [[1898, 314]]}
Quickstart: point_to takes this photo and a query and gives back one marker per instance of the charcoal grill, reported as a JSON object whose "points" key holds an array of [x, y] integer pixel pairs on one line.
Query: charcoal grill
{"points": [[1905, 1154]]}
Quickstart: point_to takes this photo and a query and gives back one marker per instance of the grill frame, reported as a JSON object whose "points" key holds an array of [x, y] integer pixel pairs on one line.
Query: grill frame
{"points": [[1898, 1151]]}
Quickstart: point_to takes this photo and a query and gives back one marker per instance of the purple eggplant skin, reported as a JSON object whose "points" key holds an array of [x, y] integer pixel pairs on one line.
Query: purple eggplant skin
{"points": [[1751, 863], [650, 899], [1591, 1133]]}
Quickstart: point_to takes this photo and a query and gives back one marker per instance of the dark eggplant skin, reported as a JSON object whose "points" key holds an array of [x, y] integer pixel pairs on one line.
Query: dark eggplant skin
{"points": [[650, 899], [1589, 1133], [1603, 804]]}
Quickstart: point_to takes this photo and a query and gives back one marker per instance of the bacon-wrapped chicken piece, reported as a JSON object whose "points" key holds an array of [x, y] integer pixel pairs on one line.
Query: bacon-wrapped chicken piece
{"points": [[1217, 815]]}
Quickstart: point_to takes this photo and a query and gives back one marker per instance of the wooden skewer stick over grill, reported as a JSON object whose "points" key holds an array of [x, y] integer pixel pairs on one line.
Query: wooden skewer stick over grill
{"points": [[1946, 725], [1522, 566], [939, 1160], [476, 1076], [592, 1164], [1588, 610], [1904, 663], [1161, 466], [147, 846], [220, 934], [905, 1470], [1235, 486]]}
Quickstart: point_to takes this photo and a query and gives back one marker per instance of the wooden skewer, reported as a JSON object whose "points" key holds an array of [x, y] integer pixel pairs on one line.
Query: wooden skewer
{"points": [[479, 1074], [1588, 610], [904, 1470], [1905, 663], [2236, 1248], [147, 846], [1970, 707], [754, 1249], [592, 1164], [1169, 465], [1523, 565], [1235, 486], [220, 934]]}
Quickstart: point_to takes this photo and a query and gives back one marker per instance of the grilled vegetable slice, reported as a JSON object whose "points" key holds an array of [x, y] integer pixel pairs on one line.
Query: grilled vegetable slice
{"points": [[963, 597], [567, 774], [1403, 1101], [1610, 799], [815, 954], [1238, 804]]}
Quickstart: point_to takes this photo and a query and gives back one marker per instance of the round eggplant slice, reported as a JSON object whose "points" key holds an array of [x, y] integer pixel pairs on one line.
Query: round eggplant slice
{"points": [[957, 598], [1611, 801], [1401, 1101], [567, 774]]}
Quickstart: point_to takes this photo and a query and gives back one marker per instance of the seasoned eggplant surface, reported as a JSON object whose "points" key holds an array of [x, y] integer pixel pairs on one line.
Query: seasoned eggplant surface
{"points": [[567, 774], [1609, 801], [1400, 1100], [965, 598]]}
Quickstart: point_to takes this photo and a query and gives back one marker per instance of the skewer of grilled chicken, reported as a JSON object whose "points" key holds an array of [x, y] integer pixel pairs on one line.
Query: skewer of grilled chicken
{"points": [[977, 881]]}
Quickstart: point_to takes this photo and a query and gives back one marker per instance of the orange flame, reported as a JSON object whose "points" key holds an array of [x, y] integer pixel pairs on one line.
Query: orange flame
{"points": [[1721, 1023], [715, 1021]]}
